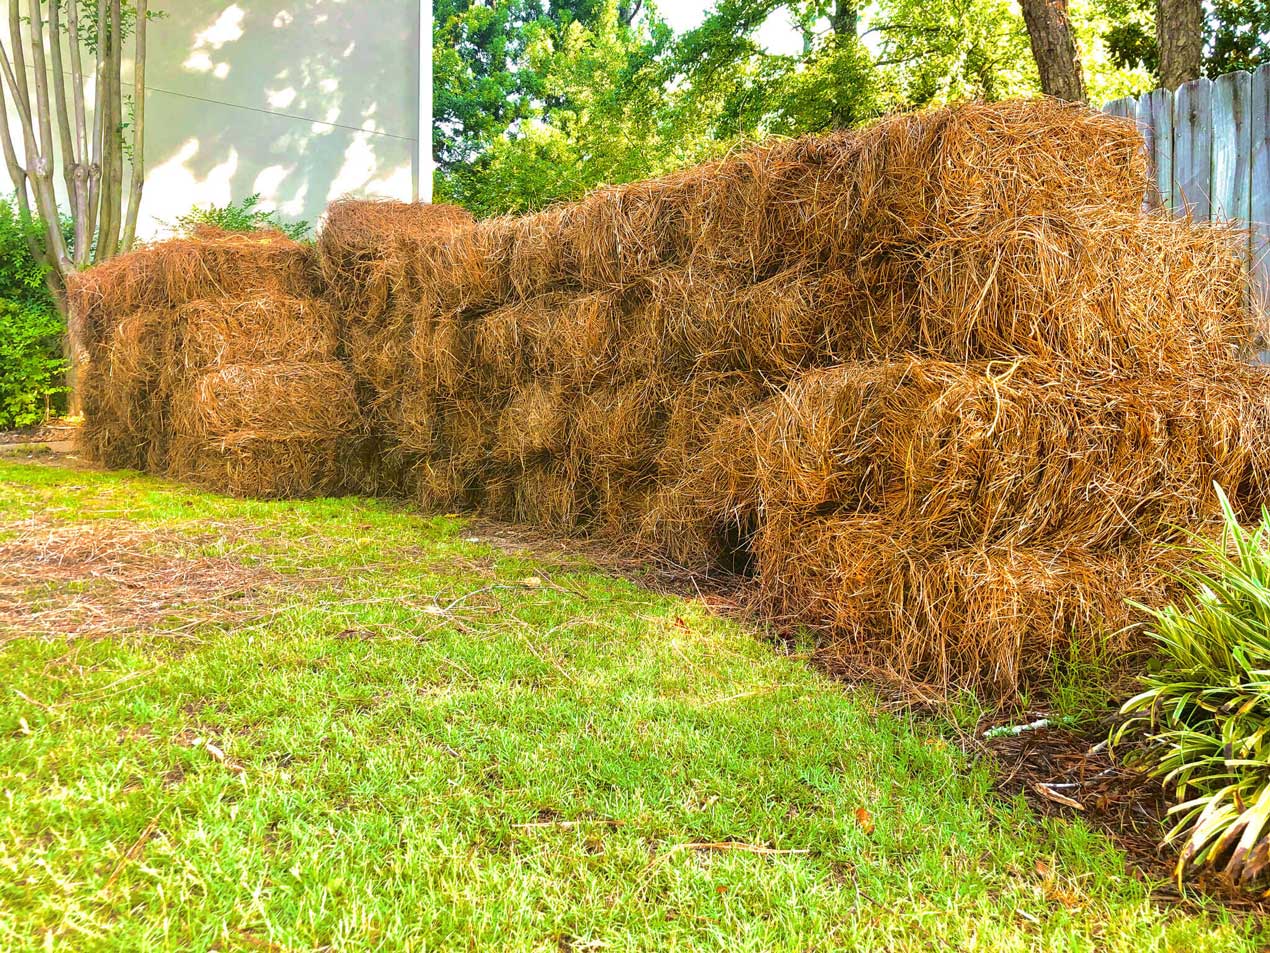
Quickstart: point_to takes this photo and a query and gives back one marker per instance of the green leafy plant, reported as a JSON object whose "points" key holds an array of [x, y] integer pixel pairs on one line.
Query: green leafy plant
{"points": [[244, 216], [1205, 714], [32, 371]]}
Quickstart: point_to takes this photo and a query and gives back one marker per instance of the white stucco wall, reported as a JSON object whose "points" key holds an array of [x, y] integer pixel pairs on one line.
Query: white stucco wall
{"points": [[299, 100]]}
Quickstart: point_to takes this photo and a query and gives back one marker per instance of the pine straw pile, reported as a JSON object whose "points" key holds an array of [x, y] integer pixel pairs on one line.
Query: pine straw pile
{"points": [[938, 384], [214, 359]]}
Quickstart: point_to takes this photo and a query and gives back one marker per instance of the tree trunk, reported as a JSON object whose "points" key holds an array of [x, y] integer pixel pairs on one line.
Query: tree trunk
{"points": [[138, 162], [1179, 26], [1050, 31], [845, 19]]}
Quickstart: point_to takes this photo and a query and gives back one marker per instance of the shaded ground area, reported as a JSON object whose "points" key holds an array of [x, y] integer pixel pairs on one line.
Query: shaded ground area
{"points": [[362, 729]]}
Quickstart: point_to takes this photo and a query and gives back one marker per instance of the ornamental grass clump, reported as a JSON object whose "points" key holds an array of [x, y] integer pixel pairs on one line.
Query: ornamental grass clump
{"points": [[1204, 718]]}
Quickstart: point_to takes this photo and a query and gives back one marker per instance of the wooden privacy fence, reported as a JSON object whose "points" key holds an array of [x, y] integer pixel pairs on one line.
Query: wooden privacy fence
{"points": [[1208, 145]]}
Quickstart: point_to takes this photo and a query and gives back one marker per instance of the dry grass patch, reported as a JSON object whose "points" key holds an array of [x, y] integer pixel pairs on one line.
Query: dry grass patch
{"points": [[111, 577]]}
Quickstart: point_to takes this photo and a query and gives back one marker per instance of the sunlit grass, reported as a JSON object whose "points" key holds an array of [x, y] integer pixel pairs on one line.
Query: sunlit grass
{"points": [[419, 742]]}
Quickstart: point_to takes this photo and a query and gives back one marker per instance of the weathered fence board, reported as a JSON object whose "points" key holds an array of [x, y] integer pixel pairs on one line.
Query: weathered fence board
{"points": [[1155, 118], [1193, 148], [1208, 148], [1259, 187], [1232, 144]]}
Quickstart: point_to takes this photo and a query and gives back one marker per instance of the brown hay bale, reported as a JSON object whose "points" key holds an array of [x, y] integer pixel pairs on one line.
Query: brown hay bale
{"points": [[417, 424], [549, 496], [469, 270], [470, 428], [698, 411], [535, 424], [210, 264], [620, 428], [572, 336], [439, 485], [996, 451], [987, 620], [537, 257], [259, 467], [257, 330], [268, 430], [368, 247], [1100, 289], [286, 402], [943, 170], [500, 343]]}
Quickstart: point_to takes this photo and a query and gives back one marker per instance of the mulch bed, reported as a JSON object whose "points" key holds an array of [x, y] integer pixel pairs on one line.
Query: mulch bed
{"points": [[1069, 772]]}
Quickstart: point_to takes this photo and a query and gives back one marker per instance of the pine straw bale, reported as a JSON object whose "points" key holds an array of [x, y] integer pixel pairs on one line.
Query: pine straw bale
{"points": [[417, 423], [265, 430], [469, 436], [1009, 451], [209, 264], [368, 247], [439, 484], [984, 619], [579, 337], [621, 508], [257, 330], [1102, 289], [916, 175], [116, 433], [535, 423], [467, 271], [538, 260], [552, 496], [698, 411], [260, 467], [295, 402], [620, 428]]}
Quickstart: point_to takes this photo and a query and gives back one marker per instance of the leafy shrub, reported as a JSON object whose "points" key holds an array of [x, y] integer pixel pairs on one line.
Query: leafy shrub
{"points": [[31, 328], [244, 216], [1205, 713]]}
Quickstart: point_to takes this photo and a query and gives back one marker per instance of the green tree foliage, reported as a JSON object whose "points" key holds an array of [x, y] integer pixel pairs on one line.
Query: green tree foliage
{"points": [[540, 100], [575, 99], [31, 329], [1237, 34], [941, 50]]}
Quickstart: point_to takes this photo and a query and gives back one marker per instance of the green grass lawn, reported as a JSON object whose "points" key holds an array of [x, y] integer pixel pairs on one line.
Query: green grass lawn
{"points": [[360, 728]]}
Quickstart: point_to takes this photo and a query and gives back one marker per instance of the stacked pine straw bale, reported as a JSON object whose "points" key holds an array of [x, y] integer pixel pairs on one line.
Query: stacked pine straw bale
{"points": [[213, 359], [938, 384]]}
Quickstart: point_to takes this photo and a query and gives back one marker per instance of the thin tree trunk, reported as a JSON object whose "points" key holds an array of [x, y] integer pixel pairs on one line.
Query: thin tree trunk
{"points": [[1050, 31], [38, 171], [44, 122], [17, 174], [82, 241], [137, 184], [70, 156], [1179, 26], [108, 236], [100, 110]]}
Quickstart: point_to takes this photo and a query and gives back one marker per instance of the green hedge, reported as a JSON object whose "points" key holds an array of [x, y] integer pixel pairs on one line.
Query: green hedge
{"points": [[32, 384]]}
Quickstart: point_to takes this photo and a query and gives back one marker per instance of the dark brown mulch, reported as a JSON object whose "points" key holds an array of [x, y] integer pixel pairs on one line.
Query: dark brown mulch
{"points": [[1054, 766]]}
